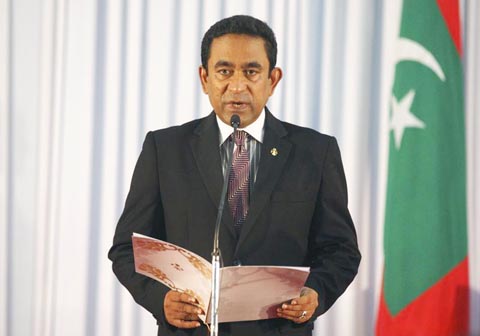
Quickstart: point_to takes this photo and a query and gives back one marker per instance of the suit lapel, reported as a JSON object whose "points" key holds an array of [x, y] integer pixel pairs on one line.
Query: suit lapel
{"points": [[205, 149], [275, 151]]}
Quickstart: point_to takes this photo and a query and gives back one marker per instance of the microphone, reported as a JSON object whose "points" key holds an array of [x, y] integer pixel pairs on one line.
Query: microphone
{"points": [[235, 121], [216, 255]]}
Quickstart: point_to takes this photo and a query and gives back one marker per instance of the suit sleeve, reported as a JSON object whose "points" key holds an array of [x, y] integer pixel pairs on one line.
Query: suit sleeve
{"points": [[333, 251], [143, 213]]}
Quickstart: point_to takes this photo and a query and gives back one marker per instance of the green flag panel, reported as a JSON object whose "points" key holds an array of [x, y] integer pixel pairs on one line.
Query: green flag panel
{"points": [[425, 220]]}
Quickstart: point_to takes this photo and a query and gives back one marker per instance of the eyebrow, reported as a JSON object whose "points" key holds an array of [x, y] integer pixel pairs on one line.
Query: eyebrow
{"points": [[222, 63], [252, 65]]}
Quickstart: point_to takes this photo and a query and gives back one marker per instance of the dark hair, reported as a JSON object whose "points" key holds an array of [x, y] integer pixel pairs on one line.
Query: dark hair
{"points": [[241, 24]]}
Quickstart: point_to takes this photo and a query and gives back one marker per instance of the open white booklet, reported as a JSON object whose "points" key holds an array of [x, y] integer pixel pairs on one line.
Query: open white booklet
{"points": [[246, 292]]}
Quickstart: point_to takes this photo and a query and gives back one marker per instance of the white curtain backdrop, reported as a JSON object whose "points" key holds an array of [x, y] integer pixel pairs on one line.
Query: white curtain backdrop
{"points": [[82, 81]]}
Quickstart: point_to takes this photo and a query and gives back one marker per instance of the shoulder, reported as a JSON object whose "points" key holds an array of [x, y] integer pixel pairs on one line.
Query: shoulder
{"points": [[311, 145], [294, 133], [308, 136], [180, 134], [178, 130]]}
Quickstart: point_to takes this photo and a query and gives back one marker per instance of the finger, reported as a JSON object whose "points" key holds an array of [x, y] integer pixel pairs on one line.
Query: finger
{"points": [[295, 313], [185, 324], [170, 305], [181, 297], [298, 307], [184, 308], [177, 318], [184, 316], [184, 297], [298, 303], [293, 318], [304, 299]]}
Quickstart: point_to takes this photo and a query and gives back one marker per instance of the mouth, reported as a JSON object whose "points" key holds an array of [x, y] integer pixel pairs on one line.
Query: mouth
{"points": [[237, 105]]}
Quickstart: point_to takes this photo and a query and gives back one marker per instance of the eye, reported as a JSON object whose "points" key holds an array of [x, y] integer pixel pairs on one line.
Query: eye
{"points": [[251, 72], [224, 72]]}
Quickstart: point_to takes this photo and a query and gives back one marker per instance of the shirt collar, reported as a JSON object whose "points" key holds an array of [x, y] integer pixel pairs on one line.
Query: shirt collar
{"points": [[255, 129]]}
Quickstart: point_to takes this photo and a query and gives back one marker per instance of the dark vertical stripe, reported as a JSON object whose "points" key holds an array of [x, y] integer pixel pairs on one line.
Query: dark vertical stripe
{"points": [[10, 185], [49, 177], [339, 59], [374, 135], [223, 9], [120, 171], [249, 8], [56, 227], [172, 106], [117, 290], [143, 71], [270, 13], [285, 49], [96, 170], [137, 323], [198, 87], [315, 55]]}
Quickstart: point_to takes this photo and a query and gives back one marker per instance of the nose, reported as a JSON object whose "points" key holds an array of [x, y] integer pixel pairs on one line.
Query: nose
{"points": [[238, 82]]}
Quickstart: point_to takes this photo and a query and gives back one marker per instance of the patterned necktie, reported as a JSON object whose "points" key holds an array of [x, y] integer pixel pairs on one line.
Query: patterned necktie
{"points": [[238, 181]]}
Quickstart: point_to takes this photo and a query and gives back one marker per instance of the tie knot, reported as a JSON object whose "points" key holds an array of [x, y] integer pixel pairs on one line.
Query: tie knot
{"points": [[239, 138]]}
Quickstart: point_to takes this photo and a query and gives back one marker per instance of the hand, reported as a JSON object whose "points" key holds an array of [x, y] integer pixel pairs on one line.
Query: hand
{"points": [[301, 309], [181, 310]]}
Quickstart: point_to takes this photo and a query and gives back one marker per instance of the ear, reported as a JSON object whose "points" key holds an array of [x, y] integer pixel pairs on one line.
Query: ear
{"points": [[203, 74], [275, 77]]}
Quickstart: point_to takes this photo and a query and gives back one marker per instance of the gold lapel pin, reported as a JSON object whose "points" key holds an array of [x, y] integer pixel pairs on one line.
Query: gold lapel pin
{"points": [[274, 151]]}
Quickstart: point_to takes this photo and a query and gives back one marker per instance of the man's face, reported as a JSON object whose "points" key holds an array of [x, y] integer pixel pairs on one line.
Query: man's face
{"points": [[238, 81]]}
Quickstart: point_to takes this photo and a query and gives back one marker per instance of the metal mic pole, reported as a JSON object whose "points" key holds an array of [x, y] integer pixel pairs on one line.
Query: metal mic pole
{"points": [[216, 255]]}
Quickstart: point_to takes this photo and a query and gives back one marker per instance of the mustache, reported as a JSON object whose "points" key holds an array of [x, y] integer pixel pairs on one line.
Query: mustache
{"points": [[245, 99]]}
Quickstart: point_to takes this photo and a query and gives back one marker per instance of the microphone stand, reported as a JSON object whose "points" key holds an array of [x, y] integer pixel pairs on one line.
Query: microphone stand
{"points": [[216, 254]]}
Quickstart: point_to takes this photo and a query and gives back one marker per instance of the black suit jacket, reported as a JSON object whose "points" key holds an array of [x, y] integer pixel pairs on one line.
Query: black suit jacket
{"points": [[298, 214]]}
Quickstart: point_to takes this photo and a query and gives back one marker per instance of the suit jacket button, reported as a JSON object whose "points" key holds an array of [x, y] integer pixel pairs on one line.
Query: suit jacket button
{"points": [[237, 262]]}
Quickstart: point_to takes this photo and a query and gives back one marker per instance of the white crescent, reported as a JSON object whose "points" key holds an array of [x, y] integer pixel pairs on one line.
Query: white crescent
{"points": [[409, 50]]}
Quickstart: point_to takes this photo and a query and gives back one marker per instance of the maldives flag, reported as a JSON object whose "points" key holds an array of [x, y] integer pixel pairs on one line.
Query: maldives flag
{"points": [[425, 285]]}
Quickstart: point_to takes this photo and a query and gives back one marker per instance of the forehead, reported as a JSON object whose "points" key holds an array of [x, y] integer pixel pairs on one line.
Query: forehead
{"points": [[238, 48]]}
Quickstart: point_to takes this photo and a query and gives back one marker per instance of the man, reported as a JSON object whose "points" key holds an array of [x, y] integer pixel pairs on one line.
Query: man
{"points": [[290, 209]]}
